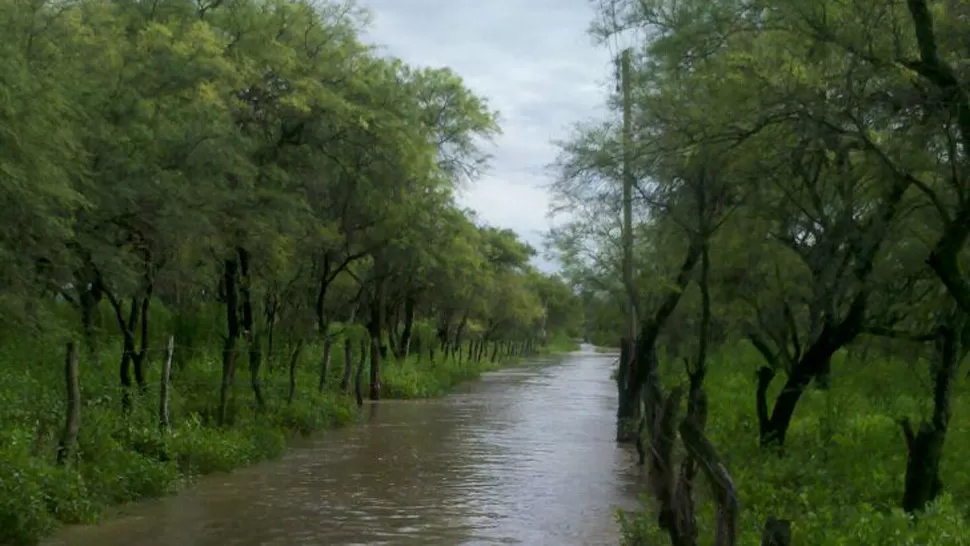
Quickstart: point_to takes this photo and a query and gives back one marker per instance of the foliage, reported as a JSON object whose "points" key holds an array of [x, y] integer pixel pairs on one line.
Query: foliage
{"points": [[815, 155], [252, 179]]}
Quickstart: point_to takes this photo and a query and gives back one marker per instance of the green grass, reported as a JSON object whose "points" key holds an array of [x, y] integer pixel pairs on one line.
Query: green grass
{"points": [[413, 379], [125, 459], [841, 480], [562, 344]]}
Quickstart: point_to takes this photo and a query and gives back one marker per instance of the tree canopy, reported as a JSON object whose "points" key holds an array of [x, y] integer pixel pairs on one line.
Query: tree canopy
{"points": [[249, 177], [800, 173]]}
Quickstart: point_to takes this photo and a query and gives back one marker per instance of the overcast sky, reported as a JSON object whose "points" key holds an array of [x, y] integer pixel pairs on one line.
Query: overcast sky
{"points": [[533, 61]]}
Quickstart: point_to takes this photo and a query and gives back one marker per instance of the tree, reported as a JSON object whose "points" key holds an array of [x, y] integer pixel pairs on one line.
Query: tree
{"points": [[803, 164], [253, 180]]}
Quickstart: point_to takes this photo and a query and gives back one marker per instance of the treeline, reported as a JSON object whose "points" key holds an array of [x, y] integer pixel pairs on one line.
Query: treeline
{"points": [[798, 179], [246, 183]]}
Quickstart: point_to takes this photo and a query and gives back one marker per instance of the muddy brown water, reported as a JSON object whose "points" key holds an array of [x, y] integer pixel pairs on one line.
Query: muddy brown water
{"points": [[524, 456]]}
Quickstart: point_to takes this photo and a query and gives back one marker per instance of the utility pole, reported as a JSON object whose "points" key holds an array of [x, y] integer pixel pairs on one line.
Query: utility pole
{"points": [[628, 180], [628, 410]]}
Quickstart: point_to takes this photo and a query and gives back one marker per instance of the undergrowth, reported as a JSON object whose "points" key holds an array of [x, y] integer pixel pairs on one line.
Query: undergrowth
{"points": [[841, 479]]}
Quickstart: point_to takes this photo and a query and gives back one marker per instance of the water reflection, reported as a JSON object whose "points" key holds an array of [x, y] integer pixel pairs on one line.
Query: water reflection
{"points": [[525, 456]]}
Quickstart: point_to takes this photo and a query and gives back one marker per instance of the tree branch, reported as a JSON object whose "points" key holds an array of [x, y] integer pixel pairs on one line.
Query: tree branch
{"points": [[898, 334]]}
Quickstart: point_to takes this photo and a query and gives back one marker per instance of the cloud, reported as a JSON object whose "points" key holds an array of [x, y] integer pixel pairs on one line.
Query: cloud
{"points": [[534, 63]]}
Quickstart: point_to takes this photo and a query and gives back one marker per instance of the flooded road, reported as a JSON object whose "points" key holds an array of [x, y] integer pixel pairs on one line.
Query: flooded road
{"points": [[524, 456]]}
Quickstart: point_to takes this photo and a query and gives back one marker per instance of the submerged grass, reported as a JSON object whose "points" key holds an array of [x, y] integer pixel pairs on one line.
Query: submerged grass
{"points": [[841, 479], [126, 458]]}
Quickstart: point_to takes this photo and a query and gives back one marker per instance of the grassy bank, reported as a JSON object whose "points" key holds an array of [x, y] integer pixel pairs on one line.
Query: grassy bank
{"points": [[841, 480], [417, 378], [122, 459]]}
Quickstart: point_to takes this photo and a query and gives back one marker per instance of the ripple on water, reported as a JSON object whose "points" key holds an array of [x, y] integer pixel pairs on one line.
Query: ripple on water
{"points": [[525, 456]]}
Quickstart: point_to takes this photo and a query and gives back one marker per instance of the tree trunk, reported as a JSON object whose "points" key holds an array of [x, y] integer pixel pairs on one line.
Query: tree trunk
{"points": [[255, 378], [674, 492], [325, 363], [641, 370], [319, 307], [72, 422], [230, 272], [415, 347], [657, 447], [124, 373], [776, 426], [348, 366], [924, 453], [348, 350], [132, 357], [725, 494], [626, 414], [404, 343], [249, 328], [375, 368], [88, 299], [823, 381], [140, 358], [359, 379], [925, 446], [374, 327], [127, 348], [392, 338], [456, 342], [765, 375], [163, 416], [294, 361], [628, 408], [699, 372], [821, 313], [945, 256], [812, 362], [777, 532], [684, 521], [272, 311], [444, 330]]}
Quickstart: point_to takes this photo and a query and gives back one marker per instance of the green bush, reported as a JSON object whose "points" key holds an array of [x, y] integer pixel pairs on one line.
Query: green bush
{"points": [[24, 508], [201, 450]]}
